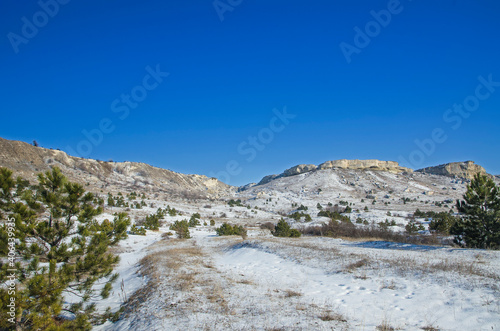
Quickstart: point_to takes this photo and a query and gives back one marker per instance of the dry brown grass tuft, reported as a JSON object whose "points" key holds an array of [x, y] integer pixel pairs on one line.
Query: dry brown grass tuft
{"points": [[184, 280], [385, 326], [356, 265], [328, 315], [245, 282], [217, 296], [292, 293]]}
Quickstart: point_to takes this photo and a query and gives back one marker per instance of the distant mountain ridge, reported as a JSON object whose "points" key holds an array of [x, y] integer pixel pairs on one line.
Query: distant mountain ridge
{"points": [[465, 170], [27, 161]]}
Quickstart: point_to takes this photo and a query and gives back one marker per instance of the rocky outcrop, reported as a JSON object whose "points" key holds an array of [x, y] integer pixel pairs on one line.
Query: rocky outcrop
{"points": [[467, 170], [300, 169], [377, 165], [246, 187], [267, 179], [27, 161]]}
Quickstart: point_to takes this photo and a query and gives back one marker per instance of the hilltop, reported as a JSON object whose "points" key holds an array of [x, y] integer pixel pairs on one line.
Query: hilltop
{"points": [[27, 161]]}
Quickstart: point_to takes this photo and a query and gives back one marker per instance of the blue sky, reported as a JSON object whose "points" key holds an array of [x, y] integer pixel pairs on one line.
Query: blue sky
{"points": [[391, 98]]}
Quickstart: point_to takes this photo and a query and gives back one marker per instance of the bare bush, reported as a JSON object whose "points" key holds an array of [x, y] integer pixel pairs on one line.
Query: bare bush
{"points": [[339, 229], [268, 225]]}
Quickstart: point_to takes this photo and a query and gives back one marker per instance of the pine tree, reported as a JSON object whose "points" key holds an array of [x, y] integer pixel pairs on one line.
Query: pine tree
{"points": [[282, 229], [60, 249], [480, 225], [181, 228]]}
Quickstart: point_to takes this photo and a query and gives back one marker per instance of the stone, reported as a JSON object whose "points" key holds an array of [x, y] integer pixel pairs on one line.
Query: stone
{"points": [[299, 169], [467, 170], [376, 165]]}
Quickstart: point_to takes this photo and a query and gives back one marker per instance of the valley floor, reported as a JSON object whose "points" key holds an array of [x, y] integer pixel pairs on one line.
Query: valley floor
{"points": [[309, 283]]}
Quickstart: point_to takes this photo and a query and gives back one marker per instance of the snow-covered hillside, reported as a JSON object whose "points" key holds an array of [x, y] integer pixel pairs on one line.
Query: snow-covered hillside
{"points": [[264, 283], [309, 283]]}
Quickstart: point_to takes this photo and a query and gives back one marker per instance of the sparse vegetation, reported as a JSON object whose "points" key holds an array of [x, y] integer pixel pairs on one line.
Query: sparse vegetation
{"points": [[137, 230], [335, 228], [231, 230], [334, 215], [412, 227], [282, 229], [233, 203], [153, 221], [194, 220], [268, 226], [297, 216], [181, 228]]}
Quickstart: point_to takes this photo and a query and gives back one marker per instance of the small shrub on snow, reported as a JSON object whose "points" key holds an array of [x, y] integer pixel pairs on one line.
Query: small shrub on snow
{"points": [[229, 230], [194, 221], [413, 227], [297, 216], [442, 222], [181, 228], [334, 215], [233, 203], [139, 231], [282, 229]]}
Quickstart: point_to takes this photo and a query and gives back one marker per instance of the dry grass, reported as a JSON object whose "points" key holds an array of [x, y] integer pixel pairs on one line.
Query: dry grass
{"points": [[217, 297], [356, 265], [292, 293], [385, 326], [245, 282], [389, 285], [185, 280], [328, 315], [181, 264], [461, 267], [299, 243]]}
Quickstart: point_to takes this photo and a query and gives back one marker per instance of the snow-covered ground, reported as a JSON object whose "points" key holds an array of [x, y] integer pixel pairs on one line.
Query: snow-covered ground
{"points": [[311, 283]]}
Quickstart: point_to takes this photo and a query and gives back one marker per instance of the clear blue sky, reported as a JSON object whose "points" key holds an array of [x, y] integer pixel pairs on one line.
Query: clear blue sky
{"points": [[226, 76]]}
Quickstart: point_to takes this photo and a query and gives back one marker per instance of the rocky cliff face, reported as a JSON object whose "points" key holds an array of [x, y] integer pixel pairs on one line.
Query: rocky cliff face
{"points": [[467, 170], [376, 165], [300, 169], [27, 161]]}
